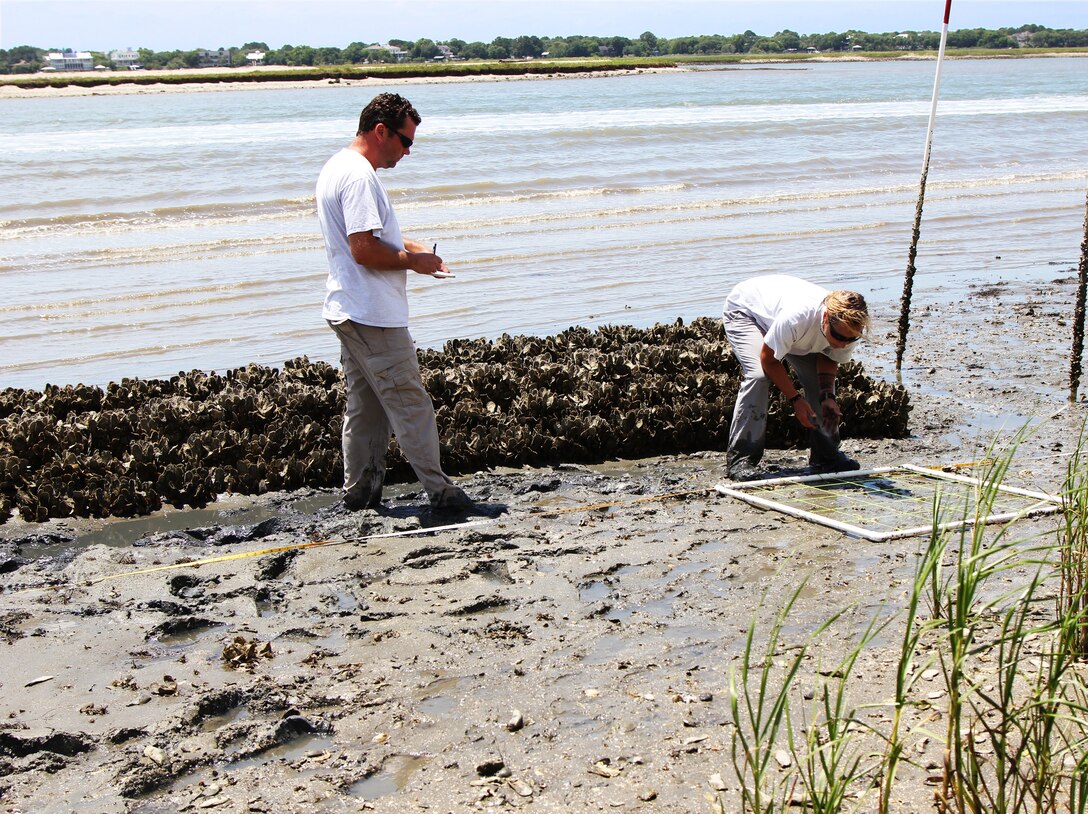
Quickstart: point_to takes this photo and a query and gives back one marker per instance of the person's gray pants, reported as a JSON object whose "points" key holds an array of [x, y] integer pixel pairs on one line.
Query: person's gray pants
{"points": [[385, 395], [747, 433]]}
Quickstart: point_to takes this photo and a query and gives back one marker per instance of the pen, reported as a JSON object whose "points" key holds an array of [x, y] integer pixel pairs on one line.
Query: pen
{"points": [[435, 249]]}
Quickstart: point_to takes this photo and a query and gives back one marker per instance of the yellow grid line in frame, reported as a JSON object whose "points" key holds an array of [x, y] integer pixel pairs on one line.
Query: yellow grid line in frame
{"points": [[886, 502]]}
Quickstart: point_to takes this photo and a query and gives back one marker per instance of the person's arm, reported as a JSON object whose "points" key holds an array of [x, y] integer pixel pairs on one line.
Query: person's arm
{"points": [[826, 371], [374, 253], [776, 372]]}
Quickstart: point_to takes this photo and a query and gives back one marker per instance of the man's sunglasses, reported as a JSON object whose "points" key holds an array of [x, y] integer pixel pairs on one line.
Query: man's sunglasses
{"points": [[404, 140], [838, 337]]}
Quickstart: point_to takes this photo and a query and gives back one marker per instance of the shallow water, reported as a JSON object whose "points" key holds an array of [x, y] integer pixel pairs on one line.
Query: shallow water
{"points": [[148, 234], [390, 780]]}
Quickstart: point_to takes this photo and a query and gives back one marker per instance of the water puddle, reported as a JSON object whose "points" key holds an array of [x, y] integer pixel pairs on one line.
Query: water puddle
{"points": [[679, 571], [439, 697], [717, 546], [184, 639], [663, 608], [304, 746], [228, 510], [345, 602], [594, 592], [313, 503], [394, 775], [608, 649], [122, 533], [437, 706], [214, 722]]}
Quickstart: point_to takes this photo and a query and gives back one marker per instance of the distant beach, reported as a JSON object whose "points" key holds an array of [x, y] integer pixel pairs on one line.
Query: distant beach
{"points": [[14, 91]]}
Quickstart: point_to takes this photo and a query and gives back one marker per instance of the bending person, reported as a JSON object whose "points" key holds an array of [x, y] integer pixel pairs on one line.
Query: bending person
{"points": [[774, 321]]}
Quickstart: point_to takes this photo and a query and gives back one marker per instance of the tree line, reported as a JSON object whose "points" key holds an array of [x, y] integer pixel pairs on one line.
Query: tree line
{"points": [[30, 59]]}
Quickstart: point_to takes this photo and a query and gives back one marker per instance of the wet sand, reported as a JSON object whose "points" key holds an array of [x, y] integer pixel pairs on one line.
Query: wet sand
{"points": [[571, 653]]}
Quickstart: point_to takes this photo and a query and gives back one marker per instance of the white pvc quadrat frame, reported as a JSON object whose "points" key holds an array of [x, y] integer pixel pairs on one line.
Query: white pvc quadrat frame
{"points": [[1045, 504]]}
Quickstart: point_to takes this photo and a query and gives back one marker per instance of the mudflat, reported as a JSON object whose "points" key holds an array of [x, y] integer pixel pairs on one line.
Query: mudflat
{"points": [[571, 649]]}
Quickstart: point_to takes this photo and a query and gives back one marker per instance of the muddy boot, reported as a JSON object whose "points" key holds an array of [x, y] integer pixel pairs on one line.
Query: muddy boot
{"points": [[740, 467], [357, 503], [826, 456], [365, 496]]}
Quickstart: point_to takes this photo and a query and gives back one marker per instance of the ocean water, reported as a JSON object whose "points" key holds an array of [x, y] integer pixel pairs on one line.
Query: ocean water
{"points": [[143, 235]]}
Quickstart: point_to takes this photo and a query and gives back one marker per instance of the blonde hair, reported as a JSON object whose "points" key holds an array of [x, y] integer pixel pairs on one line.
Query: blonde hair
{"points": [[848, 308]]}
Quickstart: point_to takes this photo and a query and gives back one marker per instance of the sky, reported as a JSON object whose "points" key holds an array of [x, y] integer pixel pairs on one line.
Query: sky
{"points": [[166, 25]]}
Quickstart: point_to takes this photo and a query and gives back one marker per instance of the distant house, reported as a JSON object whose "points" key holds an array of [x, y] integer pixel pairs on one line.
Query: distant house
{"points": [[445, 53], [70, 60], [217, 58], [398, 53], [255, 57], [125, 58]]}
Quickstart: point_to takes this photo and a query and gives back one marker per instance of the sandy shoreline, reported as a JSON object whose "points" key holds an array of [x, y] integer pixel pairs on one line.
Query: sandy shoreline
{"points": [[9, 91], [572, 653]]}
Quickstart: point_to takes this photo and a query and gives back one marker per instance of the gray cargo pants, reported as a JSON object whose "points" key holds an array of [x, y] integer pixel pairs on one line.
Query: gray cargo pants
{"points": [[385, 395], [747, 433]]}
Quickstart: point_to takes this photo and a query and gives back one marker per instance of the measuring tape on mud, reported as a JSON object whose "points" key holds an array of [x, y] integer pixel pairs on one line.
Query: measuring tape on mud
{"points": [[241, 555]]}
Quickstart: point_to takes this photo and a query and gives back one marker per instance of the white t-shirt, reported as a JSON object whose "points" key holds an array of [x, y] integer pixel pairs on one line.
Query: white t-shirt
{"points": [[790, 313], [351, 199]]}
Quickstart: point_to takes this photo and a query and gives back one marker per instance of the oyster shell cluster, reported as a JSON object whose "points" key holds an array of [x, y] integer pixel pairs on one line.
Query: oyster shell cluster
{"points": [[579, 396]]}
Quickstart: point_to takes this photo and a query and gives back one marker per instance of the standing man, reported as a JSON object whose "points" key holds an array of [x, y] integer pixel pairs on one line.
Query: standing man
{"points": [[776, 319], [366, 304]]}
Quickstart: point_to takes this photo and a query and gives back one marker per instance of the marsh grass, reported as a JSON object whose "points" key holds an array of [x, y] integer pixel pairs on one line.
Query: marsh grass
{"points": [[1013, 714], [759, 704], [832, 760], [1073, 547]]}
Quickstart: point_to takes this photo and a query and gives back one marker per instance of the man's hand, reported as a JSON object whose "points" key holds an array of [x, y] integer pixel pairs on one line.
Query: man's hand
{"points": [[426, 263], [805, 414], [832, 415]]}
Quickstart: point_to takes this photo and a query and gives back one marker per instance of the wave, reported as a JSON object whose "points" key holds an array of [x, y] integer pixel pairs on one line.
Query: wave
{"points": [[550, 124], [163, 217], [440, 199]]}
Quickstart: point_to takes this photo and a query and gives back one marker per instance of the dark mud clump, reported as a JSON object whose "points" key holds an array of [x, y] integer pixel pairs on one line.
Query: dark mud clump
{"points": [[579, 396]]}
